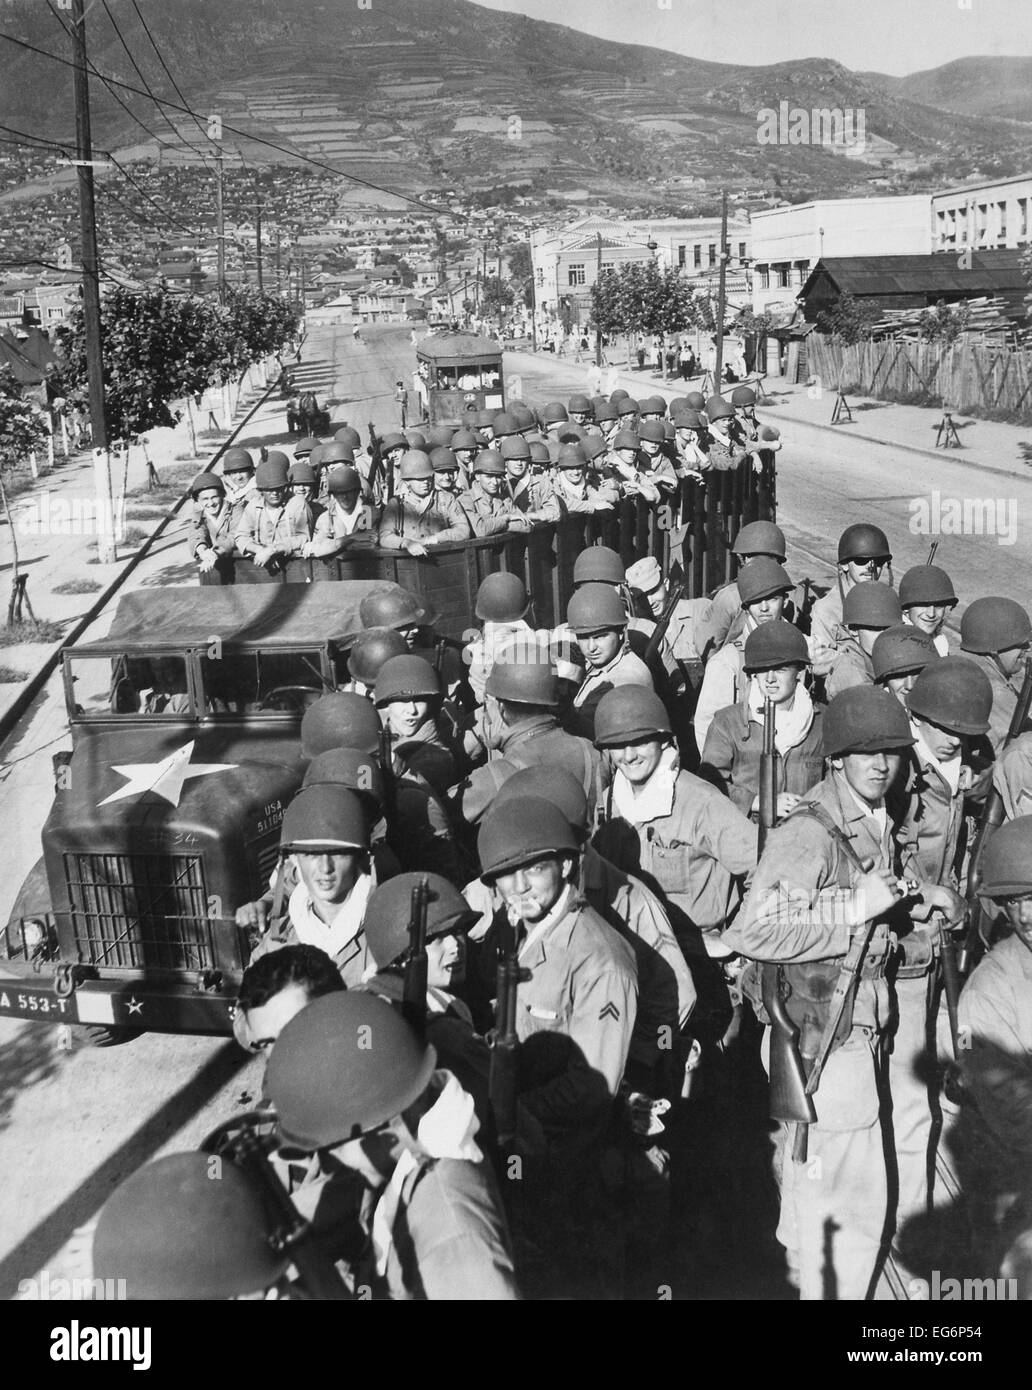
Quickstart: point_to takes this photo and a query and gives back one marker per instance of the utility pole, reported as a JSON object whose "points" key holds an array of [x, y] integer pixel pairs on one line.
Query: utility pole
{"points": [[258, 240], [279, 277], [91, 292], [598, 276], [718, 366], [220, 230], [301, 283]]}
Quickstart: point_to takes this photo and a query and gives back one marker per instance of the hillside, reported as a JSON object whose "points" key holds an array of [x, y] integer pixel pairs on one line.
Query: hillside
{"points": [[989, 86], [417, 94]]}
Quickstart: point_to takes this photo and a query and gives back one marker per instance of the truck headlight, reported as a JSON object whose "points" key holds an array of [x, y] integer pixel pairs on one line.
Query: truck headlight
{"points": [[35, 937]]}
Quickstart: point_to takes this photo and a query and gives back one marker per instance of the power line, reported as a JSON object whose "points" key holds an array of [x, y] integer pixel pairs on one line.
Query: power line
{"points": [[234, 130], [161, 60]]}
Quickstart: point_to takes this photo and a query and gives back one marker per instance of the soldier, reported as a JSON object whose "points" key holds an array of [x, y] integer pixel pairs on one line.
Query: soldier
{"points": [[681, 836], [582, 980], [900, 653], [212, 530], [170, 1232], [607, 421], [949, 705], [652, 462], [356, 1090], [821, 906], [408, 693], [346, 523], [763, 587], [554, 421], [325, 833], [464, 445], [598, 619], [867, 610], [776, 657], [724, 447], [690, 439], [999, 629], [926, 596], [863, 553], [573, 491], [419, 517], [579, 410], [623, 471], [304, 482], [502, 605], [528, 495], [448, 477], [336, 456], [719, 623], [273, 528], [238, 476], [487, 504], [277, 986], [520, 726]]}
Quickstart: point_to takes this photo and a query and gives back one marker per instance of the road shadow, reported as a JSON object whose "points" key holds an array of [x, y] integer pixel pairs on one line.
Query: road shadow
{"points": [[33, 1057], [1025, 450], [869, 405]]}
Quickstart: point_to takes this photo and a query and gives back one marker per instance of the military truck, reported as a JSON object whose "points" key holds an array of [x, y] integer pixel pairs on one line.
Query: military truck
{"points": [[185, 724]]}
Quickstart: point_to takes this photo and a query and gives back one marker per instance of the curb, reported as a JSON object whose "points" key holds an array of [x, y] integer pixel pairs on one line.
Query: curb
{"points": [[31, 688]]}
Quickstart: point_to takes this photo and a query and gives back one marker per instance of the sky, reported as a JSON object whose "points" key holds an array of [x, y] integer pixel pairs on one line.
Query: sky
{"points": [[892, 36]]}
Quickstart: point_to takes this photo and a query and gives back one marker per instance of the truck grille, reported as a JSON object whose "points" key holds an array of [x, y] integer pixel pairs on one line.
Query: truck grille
{"points": [[140, 911]]}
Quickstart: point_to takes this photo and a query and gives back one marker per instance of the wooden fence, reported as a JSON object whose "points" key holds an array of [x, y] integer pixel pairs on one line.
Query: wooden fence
{"points": [[968, 378]]}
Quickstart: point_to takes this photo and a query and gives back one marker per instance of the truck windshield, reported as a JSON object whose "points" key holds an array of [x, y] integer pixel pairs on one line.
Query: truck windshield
{"points": [[100, 686], [261, 682]]}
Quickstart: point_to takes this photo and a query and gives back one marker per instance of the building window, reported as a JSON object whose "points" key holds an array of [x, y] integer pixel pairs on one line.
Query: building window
{"points": [[1022, 218], [712, 253], [1001, 224], [682, 255], [763, 271], [741, 250], [576, 275], [781, 271], [697, 256]]}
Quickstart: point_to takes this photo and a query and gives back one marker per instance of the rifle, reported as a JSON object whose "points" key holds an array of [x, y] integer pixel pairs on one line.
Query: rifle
{"points": [[414, 996], [676, 593], [390, 791], [239, 1142], [504, 1042], [790, 1098], [931, 552], [768, 776], [992, 816], [377, 470]]}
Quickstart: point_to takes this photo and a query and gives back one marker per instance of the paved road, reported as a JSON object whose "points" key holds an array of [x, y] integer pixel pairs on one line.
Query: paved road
{"points": [[74, 1123]]}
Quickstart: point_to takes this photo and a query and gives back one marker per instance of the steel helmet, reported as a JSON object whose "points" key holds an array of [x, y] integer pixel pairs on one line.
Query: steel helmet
{"points": [[579, 405], [863, 542], [501, 598], [625, 439], [901, 649], [464, 439], [1007, 862], [273, 473], [554, 413], [504, 424], [593, 446], [348, 767], [539, 453], [926, 584], [761, 538], [688, 419], [489, 461], [324, 814], [203, 481], [443, 460], [571, 456], [370, 649], [341, 719], [626, 405], [172, 1233], [519, 831], [336, 452], [304, 447], [415, 439], [515, 447], [595, 608], [760, 578], [416, 464], [343, 479], [992, 625], [604, 412], [386, 916], [344, 1065], [406, 677], [743, 397], [237, 460], [618, 395], [695, 400], [776, 643], [317, 456], [570, 434], [393, 606], [717, 408], [525, 419], [524, 683], [630, 714], [953, 693], [865, 719], [871, 604], [652, 405], [652, 430], [439, 437], [347, 436], [598, 565], [301, 471], [484, 419], [551, 783], [390, 442]]}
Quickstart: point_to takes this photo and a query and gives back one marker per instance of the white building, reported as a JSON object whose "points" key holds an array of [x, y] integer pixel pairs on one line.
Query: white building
{"points": [[788, 242], [983, 215], [693, 244], [566, 261]]}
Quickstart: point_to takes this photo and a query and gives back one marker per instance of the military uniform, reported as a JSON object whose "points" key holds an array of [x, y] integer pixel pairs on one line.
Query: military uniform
{"points": [[337, 529], [343, 939], [734, 747], [437, 518], [588, 497], [624, 669], [536, 741], [800, 909], [851, 666], [283, 529], [724, 682]]}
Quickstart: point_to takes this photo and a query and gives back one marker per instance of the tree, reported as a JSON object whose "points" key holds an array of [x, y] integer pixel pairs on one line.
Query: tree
{"points": [[944, 323], [496, 295], [645, 299], [21, 433], [521, 270], [847, 320]]}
